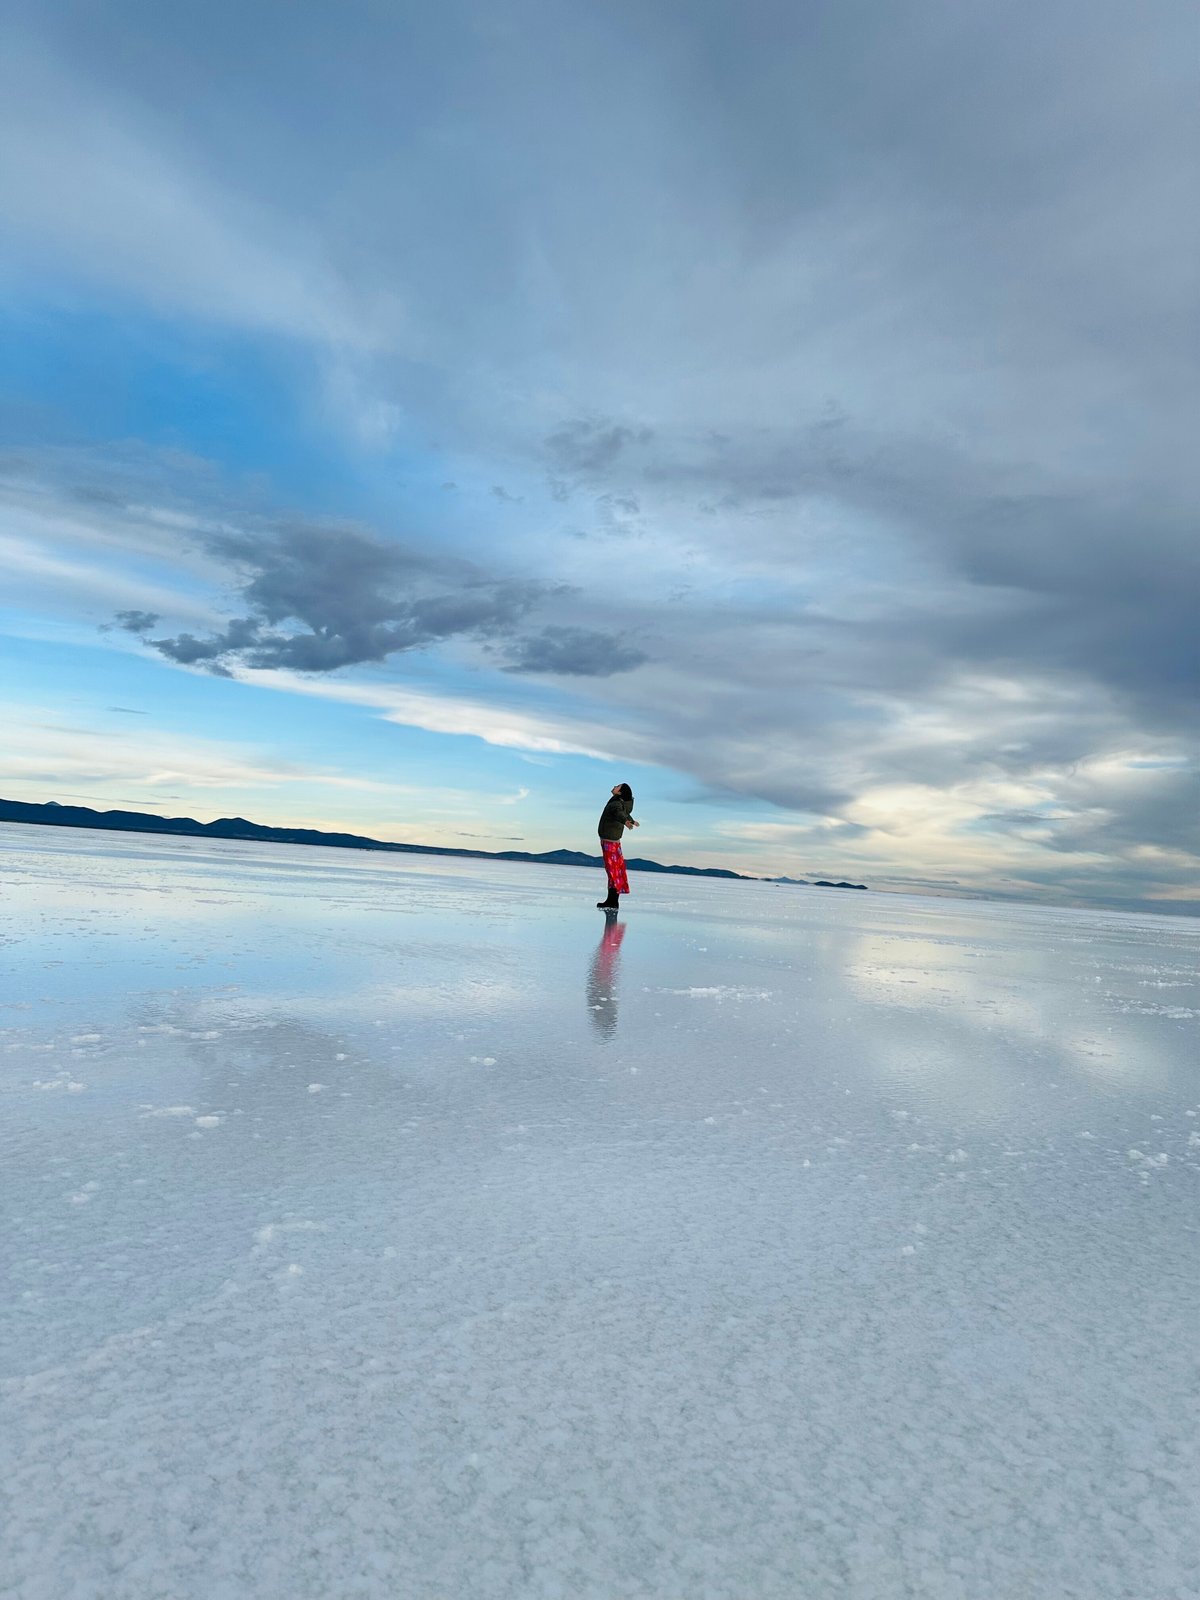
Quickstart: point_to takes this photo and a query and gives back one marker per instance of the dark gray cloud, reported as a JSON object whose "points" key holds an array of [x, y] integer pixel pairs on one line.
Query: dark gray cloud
{"points": [[136, 621], [1163, 813], [573, 652], [587, 447], [1083, 577], [320, 598]]}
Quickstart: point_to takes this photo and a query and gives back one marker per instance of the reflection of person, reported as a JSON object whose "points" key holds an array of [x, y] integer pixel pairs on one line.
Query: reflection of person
{"points": [[614, 819], [602, 979]]}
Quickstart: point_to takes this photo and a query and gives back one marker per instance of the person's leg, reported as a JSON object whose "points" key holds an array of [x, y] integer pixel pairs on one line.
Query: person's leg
{"points": [[610, 903], [618, 878]]}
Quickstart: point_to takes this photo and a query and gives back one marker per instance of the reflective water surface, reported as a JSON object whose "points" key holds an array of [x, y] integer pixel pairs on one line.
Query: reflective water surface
{"points": [[381, 1227]]}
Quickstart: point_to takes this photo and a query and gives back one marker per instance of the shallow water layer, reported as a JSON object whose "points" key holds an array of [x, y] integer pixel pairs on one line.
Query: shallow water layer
{"points": [[383, 1227]]}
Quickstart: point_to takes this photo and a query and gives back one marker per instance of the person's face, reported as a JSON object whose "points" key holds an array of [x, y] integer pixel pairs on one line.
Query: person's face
{"points": [[616, 789]]}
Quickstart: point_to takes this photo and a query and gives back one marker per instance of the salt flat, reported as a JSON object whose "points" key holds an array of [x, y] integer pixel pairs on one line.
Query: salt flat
{"points": [[395, 1228]]}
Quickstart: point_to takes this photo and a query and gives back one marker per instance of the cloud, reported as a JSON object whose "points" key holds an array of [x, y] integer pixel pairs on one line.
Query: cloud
{"points": [[586, 447], [50, 756], [107, 192], [321, 598], [573, 652], [37, 567], [137, 621], [540, 732]]}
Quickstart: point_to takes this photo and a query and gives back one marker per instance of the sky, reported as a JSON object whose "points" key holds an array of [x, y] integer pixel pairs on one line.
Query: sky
{"points": [[417, 419]]}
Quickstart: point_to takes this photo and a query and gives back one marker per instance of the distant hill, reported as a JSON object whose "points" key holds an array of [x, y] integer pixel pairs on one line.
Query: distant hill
{"points": [[815, 883], [51, 814]]}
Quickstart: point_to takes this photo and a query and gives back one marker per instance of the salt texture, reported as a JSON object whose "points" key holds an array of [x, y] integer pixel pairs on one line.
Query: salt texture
{"points": [[766, 1259]]}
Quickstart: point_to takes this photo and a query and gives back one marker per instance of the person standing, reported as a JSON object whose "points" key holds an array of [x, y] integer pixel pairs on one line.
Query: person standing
{"points": [[614, 819]]}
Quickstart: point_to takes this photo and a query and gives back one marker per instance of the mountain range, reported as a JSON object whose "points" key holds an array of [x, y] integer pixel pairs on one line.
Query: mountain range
{"points": [[51, 814]]}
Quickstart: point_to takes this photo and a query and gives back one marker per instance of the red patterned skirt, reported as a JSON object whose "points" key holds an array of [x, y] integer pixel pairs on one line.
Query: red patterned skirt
{"points": [[614, 865]]}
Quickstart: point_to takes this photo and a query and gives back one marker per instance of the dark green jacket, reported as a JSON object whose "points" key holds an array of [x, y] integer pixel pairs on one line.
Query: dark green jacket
{"points": [[612, 819]]}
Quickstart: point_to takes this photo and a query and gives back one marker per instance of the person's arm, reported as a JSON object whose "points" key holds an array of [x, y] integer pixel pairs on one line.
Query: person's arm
{"points": [[631, 823]]}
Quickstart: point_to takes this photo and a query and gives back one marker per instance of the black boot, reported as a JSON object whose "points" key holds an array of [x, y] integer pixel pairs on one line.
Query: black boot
{"points": [[611, 904]]}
